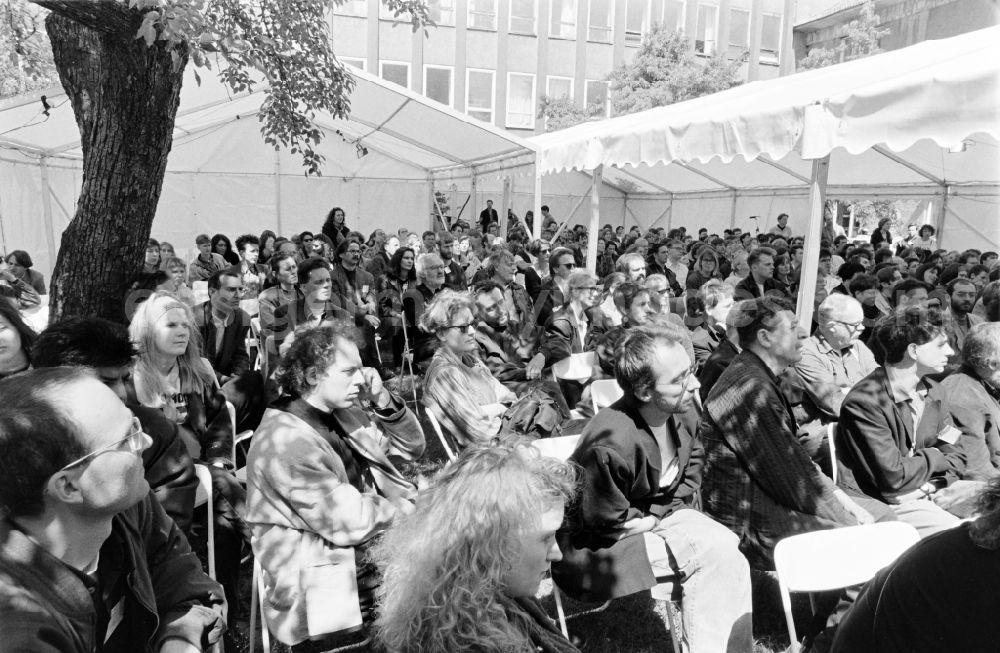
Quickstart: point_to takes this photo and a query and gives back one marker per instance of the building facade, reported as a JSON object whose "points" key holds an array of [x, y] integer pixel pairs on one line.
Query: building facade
{"points": [[907, 21], [494, 59]]}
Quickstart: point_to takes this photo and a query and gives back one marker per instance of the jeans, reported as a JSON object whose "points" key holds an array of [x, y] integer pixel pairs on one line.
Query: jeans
{"points": [[715, 580]]}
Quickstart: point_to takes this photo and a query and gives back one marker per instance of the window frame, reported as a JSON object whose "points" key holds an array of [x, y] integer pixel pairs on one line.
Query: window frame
{"points": [[681, 15], [450, 9], [777, 51], [746, 37], [391, 62], [343, 9], [451, 82], [609, 28], [548, 80], [607, 94], [493, 93], [643, 28], [495, 14], [715, 30], [534, 19], [552, 8], [534, 100]]}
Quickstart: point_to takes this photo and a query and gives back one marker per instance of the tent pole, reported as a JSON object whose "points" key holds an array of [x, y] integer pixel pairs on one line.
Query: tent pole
{"points": [[942, 213], [595, 217], [732, 210], [505, 202], [538, 200], [277, 189], [50, 234], [810, 262], [473, 200]]}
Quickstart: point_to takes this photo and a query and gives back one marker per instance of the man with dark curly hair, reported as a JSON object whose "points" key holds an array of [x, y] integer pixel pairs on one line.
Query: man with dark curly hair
{"points": [[320, 486]]}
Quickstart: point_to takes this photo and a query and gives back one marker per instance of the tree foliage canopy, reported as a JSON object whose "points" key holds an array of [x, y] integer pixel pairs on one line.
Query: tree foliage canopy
{"points": [[25, 55], [859, 39], [666, 70], [284, 44]]}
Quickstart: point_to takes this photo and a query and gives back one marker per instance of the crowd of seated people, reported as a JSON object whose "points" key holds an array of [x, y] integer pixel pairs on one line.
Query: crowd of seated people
{"points": [[721, 444]]}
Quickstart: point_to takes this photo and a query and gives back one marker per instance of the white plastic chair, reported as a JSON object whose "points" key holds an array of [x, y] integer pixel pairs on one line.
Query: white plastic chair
{"points": [[575, 367], [830, 434], [241, 473], [833, 559], [203, 497], [200, 291], [253, 344], [604, 392], [440, 433], [561, 447]]}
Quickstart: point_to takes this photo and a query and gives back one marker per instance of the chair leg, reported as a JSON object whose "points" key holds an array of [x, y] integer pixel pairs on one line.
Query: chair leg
{"points": [[254, 609], [676, 623], [560, 611]]}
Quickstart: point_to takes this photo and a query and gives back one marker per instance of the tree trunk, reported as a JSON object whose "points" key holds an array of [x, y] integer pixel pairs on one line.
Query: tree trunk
{"points": [[124, 96]]}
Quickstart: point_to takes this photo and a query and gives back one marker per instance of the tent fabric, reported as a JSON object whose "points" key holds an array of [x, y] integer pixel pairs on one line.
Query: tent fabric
{"points": [[942, 90], [222, 177]]}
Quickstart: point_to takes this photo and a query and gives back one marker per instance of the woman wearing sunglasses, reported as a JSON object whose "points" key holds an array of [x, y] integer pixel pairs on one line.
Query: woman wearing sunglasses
{"points": [[458, 388]]}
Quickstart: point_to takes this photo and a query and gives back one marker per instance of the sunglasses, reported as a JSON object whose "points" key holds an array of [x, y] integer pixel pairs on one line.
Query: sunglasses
{"points": [[463, 328], [136, 441]]}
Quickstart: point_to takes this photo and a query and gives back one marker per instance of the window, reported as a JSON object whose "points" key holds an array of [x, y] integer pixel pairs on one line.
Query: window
{"points": [[522, 16], [560, 87], [479, 94], [600, 28], [395, 72], [636, 21], [520, 100], [739, 32], [483, 14], [673, 15], [442, 12], [704, 35], [597, 93], [349, 61], [353, 8], [563, 23], [437, 84], [770, 38]]}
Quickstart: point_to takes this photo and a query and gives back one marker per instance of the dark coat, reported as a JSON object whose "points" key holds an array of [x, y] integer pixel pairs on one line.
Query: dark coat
{"points": [[758, 480], [876, 443], [146, 568], [231, 359], [620, 480], [715, 365], [747, 288]]}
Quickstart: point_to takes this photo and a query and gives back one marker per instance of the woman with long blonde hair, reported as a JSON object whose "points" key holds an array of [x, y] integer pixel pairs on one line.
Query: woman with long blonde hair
{"points": [[170, 375], [461, 571]]}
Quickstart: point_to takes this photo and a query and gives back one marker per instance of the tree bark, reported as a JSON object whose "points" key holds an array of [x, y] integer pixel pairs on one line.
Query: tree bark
{"points": [[124, 96]]}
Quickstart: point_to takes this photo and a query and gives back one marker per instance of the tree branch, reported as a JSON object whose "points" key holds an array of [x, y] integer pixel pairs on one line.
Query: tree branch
{"points": [[104, 16]]}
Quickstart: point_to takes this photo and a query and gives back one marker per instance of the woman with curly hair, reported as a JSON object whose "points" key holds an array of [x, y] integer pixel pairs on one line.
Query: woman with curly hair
{"points": [[461, 571]]}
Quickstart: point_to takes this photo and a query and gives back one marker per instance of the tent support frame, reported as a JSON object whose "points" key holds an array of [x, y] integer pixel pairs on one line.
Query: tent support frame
{"points": [[810, 262]]}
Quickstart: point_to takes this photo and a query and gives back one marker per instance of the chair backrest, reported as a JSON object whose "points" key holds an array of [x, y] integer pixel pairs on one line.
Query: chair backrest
{"points": [[203, 497], [200, 291], [561, 447], [604, 392], [832, 559], [576, 367], [439, 432]]}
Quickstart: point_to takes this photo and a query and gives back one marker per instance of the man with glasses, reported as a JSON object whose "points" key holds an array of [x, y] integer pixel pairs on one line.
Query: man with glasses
{"points": [[88, 558], [104, 347], [640, 463], [833, 361]]}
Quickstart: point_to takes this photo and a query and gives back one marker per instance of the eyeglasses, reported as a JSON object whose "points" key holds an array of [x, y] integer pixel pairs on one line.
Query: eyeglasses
{"points": [[354, 251], [850, 325], [137, 440], [685, 380], [463, 328]]}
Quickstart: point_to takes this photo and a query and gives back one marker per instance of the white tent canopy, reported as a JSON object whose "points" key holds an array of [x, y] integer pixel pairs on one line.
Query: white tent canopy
{"points": [[222, 177], [887, 123]]}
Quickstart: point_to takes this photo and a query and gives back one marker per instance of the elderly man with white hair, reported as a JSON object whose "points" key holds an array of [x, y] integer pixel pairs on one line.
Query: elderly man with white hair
{"points": [[833, 360]]}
